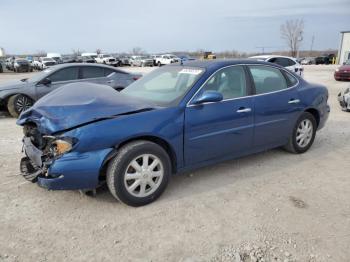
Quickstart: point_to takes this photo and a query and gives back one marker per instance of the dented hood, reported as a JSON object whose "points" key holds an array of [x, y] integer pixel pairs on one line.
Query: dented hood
{"points": [[77, 104]]}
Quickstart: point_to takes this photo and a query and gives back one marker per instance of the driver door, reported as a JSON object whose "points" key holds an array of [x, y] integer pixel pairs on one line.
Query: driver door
{"points": [[58, 78], [223, 129]]}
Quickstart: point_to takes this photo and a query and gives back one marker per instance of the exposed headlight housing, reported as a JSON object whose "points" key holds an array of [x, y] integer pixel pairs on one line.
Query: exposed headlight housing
{"points": [[62, 145]]}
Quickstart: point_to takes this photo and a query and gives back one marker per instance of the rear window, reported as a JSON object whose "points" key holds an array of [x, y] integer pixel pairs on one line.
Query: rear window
{"points": [[291, 80], [92, 72], [267, 79]]}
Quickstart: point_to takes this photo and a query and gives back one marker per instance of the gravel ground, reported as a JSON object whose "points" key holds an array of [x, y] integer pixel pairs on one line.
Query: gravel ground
{"points": [[272, 206]]}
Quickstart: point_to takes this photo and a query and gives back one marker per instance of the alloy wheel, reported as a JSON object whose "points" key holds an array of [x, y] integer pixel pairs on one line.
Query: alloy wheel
{"points": [[23, 103]]}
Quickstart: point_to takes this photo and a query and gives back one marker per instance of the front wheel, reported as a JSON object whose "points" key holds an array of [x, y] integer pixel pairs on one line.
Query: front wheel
{"points": [[139, 173], [303, 135], [18, 103]]}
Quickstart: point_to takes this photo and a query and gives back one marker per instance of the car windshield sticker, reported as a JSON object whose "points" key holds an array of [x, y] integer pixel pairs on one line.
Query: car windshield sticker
{"points": [[190, 71]]}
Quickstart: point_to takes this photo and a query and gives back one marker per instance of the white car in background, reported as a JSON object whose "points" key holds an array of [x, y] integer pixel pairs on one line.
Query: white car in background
{"points": [[43, 63], [166, 59], [289, 63], [107, 60]]}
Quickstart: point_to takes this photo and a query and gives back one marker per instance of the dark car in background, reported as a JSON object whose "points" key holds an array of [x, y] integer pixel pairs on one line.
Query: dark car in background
{"points": [[22, 65], [177, 118], [68, 59], [20, 95], [85, 59]]}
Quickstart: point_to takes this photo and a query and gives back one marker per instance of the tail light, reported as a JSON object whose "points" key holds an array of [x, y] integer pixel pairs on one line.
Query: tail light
{"points": [[136, 78]]}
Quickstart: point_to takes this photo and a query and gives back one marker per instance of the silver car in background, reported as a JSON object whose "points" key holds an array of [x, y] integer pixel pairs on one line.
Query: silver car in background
{"points": [[20, 95]]}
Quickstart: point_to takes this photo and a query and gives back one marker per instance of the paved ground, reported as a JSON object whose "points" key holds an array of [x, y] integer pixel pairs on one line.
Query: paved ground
{"points": [[272, 204]]}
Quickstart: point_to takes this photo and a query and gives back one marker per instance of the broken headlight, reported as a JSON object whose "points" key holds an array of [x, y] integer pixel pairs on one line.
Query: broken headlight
{"points": [[61, 145]]}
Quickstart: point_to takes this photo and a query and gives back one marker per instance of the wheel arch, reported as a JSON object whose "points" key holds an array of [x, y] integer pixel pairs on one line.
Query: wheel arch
{"points": [[157, 140], [315, 113]]}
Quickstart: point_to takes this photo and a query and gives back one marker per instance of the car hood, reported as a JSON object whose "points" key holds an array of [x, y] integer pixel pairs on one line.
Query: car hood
{"points": [[13, 85], [78, 104]]}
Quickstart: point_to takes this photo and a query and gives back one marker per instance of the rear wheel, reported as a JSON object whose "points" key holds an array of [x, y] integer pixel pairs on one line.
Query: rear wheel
{"points": [[303, 135], [18, 103], [139, 174]]}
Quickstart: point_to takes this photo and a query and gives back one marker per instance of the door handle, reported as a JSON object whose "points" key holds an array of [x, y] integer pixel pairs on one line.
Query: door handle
{"points": [[244, 110], [294, 101]]}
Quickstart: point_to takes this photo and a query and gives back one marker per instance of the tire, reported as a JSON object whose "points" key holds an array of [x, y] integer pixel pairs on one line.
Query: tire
{"points": [[14, 102], [134, 152], [295, 146]]}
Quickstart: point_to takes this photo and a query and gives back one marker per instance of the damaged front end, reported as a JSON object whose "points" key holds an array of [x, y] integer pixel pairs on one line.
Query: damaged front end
{"points": [[344, 99], [41, 151]]}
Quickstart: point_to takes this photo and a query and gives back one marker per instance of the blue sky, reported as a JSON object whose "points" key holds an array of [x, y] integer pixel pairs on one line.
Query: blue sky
{"points": [[27, 26]]}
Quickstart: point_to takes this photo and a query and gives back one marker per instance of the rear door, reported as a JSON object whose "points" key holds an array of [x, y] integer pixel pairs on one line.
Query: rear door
{"points": [[93, 74], [276, 104], [222, 129]]}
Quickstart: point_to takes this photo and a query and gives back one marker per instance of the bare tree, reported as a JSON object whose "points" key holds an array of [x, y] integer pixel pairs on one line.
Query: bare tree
{"points": [[40, 53], [292, 31], [98, 51], [137, 51], [76, 52]]}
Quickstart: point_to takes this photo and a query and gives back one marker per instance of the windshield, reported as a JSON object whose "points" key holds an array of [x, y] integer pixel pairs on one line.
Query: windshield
{"points": [[40, 76], [165, 86]]}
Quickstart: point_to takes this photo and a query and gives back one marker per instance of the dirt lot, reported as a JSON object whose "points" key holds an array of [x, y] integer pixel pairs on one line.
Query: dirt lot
{"points": [[270, 205]]}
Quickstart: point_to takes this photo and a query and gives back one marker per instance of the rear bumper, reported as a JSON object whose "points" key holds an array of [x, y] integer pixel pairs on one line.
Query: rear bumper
{"points": [[341, 76]]}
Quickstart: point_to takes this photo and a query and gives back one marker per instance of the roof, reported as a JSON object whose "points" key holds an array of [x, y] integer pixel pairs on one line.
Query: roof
{"points": [[209, 64], [87, 64], [269, 56], [343, 32]]}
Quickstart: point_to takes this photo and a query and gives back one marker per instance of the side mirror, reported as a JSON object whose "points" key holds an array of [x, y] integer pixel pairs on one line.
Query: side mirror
{"points": [[344, 63], [46, 81], [207, 97]]}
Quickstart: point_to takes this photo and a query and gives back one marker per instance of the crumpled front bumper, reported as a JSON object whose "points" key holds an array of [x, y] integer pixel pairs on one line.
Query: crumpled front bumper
{"points": [[72, 171], [344, 100]]}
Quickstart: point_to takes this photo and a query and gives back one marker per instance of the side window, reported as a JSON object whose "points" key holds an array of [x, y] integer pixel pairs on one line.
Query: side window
{"points": [[291, 62], [91, 72], [291, 80], [107, 71], [66, 74], [230, 82], [267, 79]]}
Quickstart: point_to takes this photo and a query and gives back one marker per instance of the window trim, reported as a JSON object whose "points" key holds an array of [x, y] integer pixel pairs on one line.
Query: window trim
{"points": [[251, 84]]}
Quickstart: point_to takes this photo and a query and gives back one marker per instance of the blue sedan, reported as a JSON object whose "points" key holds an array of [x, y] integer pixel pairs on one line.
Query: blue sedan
{"points": [[177, 118]]}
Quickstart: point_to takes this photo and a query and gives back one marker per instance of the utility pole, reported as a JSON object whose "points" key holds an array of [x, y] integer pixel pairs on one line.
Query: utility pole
{"points": [[312, 44]]}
